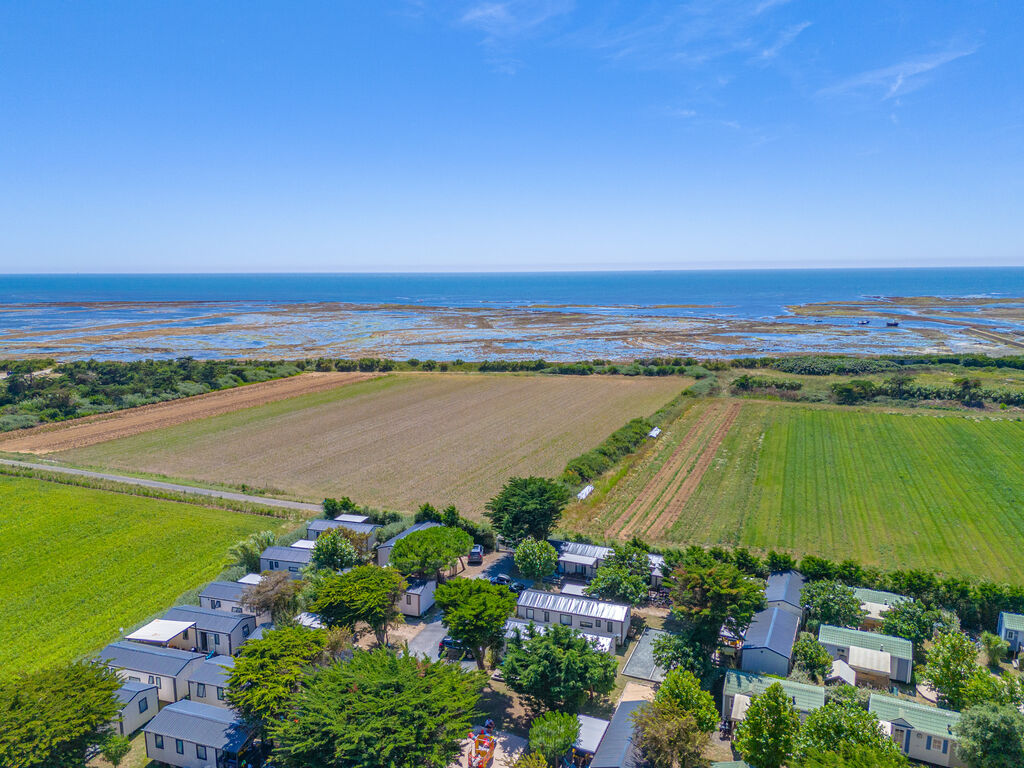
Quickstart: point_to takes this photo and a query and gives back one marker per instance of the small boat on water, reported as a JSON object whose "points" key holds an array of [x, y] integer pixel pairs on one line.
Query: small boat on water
{"points": [[863, 322], [892, 324]]}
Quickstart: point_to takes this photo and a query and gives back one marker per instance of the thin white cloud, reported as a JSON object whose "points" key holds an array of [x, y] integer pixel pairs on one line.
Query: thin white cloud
{"points": [[513, 18], [896, 79], [767, 5], [788, 36]]}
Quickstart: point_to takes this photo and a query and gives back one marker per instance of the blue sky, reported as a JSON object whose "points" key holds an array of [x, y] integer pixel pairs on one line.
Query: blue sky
{"points": [[524, 134]]}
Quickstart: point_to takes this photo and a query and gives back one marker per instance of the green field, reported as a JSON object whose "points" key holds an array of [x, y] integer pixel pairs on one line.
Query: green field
{"points": [[925, 489], [78, 564]]}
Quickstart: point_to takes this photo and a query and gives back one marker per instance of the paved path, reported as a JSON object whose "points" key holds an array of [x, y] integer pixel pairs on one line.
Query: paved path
{"points": [[175, 487]]}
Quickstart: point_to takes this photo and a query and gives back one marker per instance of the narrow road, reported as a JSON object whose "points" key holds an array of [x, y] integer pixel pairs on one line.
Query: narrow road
{"points": [[244, 497]]}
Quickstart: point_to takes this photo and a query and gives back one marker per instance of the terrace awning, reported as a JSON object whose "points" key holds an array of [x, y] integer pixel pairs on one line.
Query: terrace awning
{"points": [[160, 631], [740, 702], [867, 660], [579, 559]]}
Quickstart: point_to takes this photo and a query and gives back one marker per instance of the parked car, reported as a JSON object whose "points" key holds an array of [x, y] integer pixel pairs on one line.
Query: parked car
{"points": [[451, 646], [518, 587], [476, 555], [502, 580]]}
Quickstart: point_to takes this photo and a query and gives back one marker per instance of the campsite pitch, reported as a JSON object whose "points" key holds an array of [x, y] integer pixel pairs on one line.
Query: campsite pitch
{"points": [[399, 440], [79, 564]]}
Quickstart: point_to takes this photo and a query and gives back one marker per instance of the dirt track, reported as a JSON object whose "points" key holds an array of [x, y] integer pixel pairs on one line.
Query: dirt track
{"points": [[90, 430]]}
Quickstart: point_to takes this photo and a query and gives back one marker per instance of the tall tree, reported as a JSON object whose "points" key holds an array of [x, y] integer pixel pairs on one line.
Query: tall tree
{"points": [[830, 602], [811, 657], [683, 688], [115, 748], [707, 596], [378, 710], [429, 552], [557, 669], [991, 736], [677, 650], [267, 672], [767, 736], [624, 576], [913, 621], [536, 559], [52, 718], [668, 736], [475, 612], [951, 666], [552, 734], [367, 594], [333, 551], [527, 506], [850, 757], [276, 594], [843, 727], [995, 648]]}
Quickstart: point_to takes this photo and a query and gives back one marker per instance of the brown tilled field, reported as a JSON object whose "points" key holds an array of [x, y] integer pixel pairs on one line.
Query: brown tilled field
{"points": [[399, 440], [90, 430]]}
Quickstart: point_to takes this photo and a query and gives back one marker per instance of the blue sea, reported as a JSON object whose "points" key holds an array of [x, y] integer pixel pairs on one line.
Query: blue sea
{"points": [[556, 315]]}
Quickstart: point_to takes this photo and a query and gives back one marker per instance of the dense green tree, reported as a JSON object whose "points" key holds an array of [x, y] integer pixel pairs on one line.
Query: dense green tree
{"points": [[556, 669], [54, 717], [532, 760], [623, 577], [767, 735], [811, 656], [709, 595], [552, 735], [367, 594], [683, 688], [115, 749], [849, 757], [276, 594], [333, 551], [677, 650], [842, 727], [378, 710], [668, 736], [429, 552], [991, 736], [950, 667], [830, 602], [247, 552], [475, 612], [995, 648], [536, 559], [527, 506], [911, 620], [268, 670]]}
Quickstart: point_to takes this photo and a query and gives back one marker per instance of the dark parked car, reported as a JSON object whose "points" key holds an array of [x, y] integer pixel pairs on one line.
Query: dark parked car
{"points": [[476, 555], [450, 646], [518, 587], [502, 579]]}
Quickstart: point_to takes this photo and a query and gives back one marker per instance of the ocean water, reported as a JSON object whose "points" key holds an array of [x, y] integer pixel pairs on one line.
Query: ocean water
{"points": [[558, 316]]}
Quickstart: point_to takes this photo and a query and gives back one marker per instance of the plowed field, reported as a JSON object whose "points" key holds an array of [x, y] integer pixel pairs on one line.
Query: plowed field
{"points": [[90, 430], [399, 440]]}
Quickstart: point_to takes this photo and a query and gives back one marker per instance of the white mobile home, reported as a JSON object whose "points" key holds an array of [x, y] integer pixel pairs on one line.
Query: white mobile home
{"points": [[418, 597], [188, 734], [210, 680], [138, 705], [227, 596], [290, 559], [318, 527], [219, 631], [169, 669], [583, 613], [603, 643], [922, 732], [876, 659], [741, 686]]}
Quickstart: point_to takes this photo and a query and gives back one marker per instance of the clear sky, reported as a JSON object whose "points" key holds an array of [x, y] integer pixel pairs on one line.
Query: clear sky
{"points": [[524, 134]]}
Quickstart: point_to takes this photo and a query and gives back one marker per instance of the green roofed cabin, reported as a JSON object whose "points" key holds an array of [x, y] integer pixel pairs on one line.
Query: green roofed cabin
{"points": [[922, 732], [740, 686], [876, 603], [1011, 629], [876, 659]]}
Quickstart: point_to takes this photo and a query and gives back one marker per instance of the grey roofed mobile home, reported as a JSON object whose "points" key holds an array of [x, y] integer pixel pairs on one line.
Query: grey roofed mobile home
{"points": [[583, 560], [215, 630], [138, 703], [617, 749], [317, 527], [768, 643], [209, 681], [384, 550], [208, 735], [582, 613], [291, 559], [783, 591], [227, 596], [167, 668], [418, 597]]}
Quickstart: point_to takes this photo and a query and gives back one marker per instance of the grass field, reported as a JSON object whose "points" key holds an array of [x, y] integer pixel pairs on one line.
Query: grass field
{"points": [[399, 440], [924, 489], [78, 564]]}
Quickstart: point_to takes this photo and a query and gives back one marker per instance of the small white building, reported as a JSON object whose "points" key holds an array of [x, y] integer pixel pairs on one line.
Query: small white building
{"points": [[290, 559], [1011, 629], [188, 734], [586, 491], [586, 614], [138, 705], [214, 630], [876, 659], [418, 597], [210, 680], [922, 732], [169, 669]]}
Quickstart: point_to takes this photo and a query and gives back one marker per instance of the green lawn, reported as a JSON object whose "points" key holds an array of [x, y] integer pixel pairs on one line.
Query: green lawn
{"points": [[939, 491], [78, 564]]}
